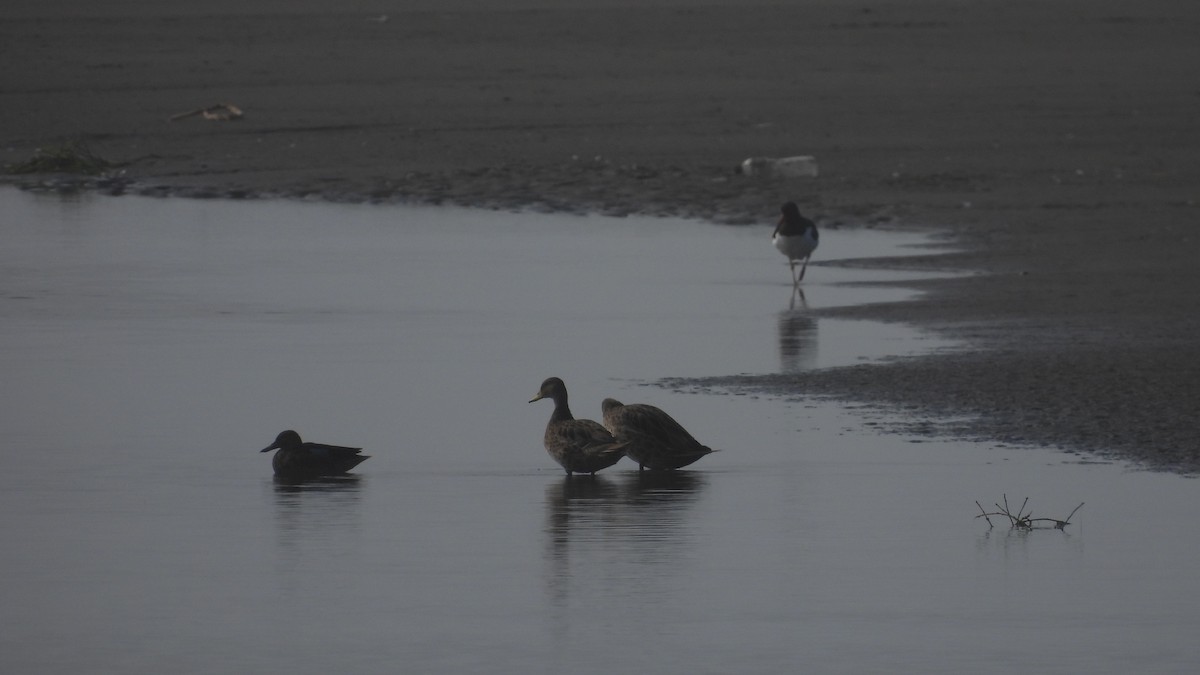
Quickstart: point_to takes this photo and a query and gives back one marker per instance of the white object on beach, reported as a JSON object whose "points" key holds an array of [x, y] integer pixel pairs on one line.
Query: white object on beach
{"points": [[220, 111], [799, 166]]}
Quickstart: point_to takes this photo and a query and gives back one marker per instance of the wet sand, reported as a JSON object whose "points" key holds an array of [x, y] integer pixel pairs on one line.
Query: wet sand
{"points": [[1055, 144]]}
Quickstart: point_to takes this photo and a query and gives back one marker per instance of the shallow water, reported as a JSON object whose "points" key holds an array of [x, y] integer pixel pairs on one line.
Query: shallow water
{"points": [[152, 347]]}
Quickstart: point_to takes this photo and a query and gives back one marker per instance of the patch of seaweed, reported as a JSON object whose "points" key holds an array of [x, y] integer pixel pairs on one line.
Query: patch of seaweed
{"points": [[73, 156]]}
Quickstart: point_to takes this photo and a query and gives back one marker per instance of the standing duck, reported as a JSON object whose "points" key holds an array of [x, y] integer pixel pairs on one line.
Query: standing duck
{"points": [[582, 446], [297, 459], [656, 440], [796, 237]]}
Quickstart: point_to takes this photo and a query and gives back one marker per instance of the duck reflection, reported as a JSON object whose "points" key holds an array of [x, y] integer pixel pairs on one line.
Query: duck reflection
{"points": [[797, 337], [670, 490], [577, 501], [644, 506], [577, 504], [656, 508], [315, 518], [345, 483], [317, 502], [627, 537]]}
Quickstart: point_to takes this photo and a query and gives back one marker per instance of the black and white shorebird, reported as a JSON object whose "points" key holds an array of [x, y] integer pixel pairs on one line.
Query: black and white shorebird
{"points": [[796, 237]]}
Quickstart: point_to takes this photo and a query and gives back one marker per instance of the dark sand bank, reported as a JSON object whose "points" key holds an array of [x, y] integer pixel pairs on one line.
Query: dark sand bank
{"points": [[1055, 142]]}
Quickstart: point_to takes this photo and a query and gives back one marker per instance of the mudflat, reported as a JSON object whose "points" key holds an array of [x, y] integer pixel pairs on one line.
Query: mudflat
{"points": [[1055, 144]]}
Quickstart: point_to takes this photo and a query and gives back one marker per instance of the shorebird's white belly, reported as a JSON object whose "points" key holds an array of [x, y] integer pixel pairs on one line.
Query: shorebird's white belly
{"points": [[796, 248]]}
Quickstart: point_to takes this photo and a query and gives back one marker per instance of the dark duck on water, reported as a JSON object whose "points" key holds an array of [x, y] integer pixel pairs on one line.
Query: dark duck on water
{"points": [[297, 459]]}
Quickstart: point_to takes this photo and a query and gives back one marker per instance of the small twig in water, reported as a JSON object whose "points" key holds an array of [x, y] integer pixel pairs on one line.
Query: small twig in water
{"points": [[983, 512], [1023, 520]]}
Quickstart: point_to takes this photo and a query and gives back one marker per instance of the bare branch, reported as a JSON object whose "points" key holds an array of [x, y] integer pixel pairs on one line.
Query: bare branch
{"points": [[984, 514], [1023, 520], [1068, 519]]}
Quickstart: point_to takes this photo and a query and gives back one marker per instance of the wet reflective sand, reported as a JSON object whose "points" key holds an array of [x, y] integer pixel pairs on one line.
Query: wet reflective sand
{"points": [[152, 347]]}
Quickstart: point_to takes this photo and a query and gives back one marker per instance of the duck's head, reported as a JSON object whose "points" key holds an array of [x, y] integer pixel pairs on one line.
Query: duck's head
{"points": [[552, 388], [285, 439], [610, 404]]}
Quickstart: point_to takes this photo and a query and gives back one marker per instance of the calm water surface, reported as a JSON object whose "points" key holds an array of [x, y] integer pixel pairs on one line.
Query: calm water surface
{"points": [[150, 348]]}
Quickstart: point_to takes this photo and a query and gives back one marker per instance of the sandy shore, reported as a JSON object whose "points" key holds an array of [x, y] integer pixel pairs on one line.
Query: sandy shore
{"points": [[1055, 143]]}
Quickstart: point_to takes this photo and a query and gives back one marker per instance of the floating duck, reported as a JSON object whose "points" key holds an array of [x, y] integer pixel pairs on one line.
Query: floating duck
{"points": [[796, 237], [297, 459], [580, 446], [656, 440]]}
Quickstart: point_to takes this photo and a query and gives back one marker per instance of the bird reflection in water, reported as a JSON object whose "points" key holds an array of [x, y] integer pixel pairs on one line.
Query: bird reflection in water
{"points": [[348, 482], [315, 519], [577, 505], [303, 503], [672, 489], [656, 508], [627, 536], [798, 301], [797, 336], [583, 500], [625, 514]]}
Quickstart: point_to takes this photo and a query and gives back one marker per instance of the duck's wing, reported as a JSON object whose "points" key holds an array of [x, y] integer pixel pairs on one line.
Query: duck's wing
{"points": [[583, 445], [583, 434], [655, 425], [323, 451], [594, 447]]}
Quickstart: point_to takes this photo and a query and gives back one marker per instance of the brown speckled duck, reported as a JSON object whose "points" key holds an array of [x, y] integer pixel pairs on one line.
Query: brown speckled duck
{"points": [[580, 446], [656, 440], [297, 459]]}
